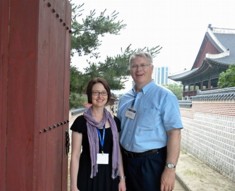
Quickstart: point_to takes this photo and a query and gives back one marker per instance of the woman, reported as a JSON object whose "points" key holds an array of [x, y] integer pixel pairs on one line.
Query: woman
{"points": [[98, 167]]}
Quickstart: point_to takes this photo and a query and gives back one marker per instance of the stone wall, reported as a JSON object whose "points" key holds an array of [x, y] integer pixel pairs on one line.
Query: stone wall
{"points": [[209, 129]]}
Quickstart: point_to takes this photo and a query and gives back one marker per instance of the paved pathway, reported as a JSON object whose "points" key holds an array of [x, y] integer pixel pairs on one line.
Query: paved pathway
{"points": [[197, 176], [178, 186]]}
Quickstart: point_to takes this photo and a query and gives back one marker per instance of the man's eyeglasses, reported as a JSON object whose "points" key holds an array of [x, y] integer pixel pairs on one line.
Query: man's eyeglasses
{"points": [[96, 93], [141, 66]]}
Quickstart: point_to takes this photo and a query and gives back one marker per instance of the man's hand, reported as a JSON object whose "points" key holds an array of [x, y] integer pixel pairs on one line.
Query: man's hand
{"points": [[168, 179]]}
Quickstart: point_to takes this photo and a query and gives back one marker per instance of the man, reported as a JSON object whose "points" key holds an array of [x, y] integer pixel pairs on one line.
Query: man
{"points": [[150, 130]]}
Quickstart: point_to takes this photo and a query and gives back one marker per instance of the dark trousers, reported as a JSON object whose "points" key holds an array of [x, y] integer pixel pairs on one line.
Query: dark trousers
{"points": [[143, 173]]}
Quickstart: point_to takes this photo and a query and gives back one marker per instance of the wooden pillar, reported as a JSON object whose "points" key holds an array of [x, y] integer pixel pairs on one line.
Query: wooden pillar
{"points": [[209, 84], [201, 85]]}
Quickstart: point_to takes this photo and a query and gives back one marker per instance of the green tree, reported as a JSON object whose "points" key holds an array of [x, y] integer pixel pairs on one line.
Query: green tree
{"points": [[227, 78], [86, 39], [176, 89], [116, 69], [76, 100], [86, 32]]}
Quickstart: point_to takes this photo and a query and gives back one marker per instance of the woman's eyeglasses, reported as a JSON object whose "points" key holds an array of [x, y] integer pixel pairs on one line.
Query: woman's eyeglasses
{"points": [[96, 93]]}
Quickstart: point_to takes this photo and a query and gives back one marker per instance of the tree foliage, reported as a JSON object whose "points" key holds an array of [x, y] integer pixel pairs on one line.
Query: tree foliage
{"points": [[176, 89], [86, 39], [116, 69], [227, 78], [76, 100], [86, 33]]}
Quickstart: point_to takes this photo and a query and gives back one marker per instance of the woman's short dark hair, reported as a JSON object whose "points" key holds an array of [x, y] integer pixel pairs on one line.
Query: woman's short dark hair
{"points": [[94, 81]]}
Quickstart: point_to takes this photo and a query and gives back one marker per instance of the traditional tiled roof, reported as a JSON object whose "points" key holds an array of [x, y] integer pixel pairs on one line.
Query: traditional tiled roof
{"points": [[224, 42], [215, 95], [227, 38]]}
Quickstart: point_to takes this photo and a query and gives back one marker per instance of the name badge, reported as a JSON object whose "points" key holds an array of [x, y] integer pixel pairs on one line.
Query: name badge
{"points": [[102, 158], [130, 113]]}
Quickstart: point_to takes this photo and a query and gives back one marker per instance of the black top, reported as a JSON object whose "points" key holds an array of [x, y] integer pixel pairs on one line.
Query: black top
{"points": [[103, 180]]}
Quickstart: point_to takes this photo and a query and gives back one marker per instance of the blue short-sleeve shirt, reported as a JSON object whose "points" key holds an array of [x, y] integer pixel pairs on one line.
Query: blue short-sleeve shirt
{"points": [[157, 111]]}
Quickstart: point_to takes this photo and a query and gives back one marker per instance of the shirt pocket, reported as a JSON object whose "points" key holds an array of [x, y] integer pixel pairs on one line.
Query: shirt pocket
{"points": [[150, 118]]}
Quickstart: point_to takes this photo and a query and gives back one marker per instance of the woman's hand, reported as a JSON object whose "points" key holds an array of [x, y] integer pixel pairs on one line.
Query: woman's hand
{"points": [[122, 185], [74, 188]]}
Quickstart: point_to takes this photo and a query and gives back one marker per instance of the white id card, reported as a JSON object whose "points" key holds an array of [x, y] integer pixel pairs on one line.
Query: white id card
{"points": [[102, 158], [130, 113]]}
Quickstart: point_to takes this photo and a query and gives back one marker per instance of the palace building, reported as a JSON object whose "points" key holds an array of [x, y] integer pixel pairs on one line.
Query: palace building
{"points": [[216, 54]]}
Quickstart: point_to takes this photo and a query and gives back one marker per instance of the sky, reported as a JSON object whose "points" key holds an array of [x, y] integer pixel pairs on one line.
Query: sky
{"points": [[178, 26]]}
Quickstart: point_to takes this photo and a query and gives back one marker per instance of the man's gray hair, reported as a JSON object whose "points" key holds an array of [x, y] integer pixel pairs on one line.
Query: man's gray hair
{"points": [[141, 54]]}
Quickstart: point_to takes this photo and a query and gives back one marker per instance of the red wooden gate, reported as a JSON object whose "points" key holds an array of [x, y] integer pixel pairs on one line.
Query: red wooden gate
{"points": [[34, 94]]}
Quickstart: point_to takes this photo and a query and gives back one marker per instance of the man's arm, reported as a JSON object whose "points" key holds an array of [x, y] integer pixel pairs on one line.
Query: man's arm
{"points": [[173, 151]]}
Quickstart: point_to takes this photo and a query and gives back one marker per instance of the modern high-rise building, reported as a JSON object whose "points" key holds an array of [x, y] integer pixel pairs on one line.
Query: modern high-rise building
{"points": [[160, 75]]}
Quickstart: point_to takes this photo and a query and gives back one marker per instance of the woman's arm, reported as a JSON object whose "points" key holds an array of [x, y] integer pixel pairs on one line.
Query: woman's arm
{"points": [[75, 157], [122, 182]]}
